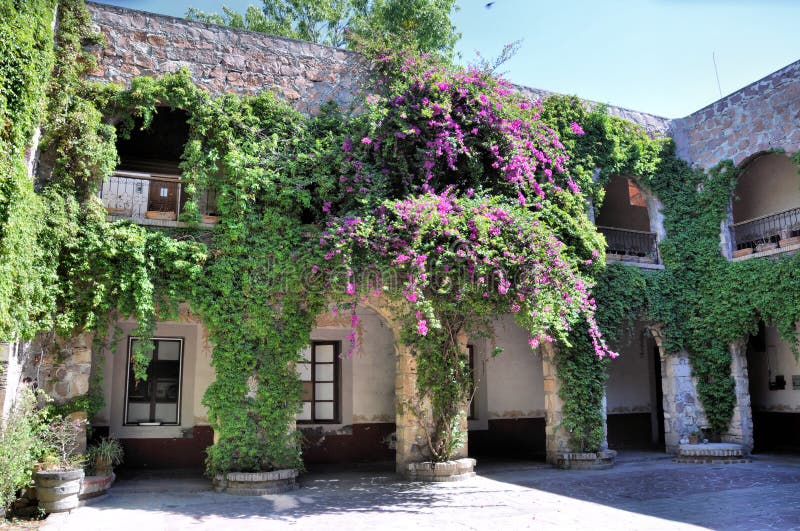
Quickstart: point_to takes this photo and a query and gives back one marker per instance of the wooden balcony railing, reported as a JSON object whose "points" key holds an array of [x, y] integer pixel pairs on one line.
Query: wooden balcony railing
{"points": [[630, 245], [149, 196]]}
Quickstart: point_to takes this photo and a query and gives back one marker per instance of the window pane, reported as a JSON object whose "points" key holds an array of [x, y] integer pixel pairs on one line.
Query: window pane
{"points": [[139, 412], [304, 371], [306, 353], [167, 413], [324, 353], [167, 390], [305, 412], [324, 410], [324, 391], [169, 350], [324, 372], [307, 391]]}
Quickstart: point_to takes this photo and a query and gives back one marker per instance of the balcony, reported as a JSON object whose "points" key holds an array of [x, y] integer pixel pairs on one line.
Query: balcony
{"points": [[152, 199], [625, 245], [767, 235]]}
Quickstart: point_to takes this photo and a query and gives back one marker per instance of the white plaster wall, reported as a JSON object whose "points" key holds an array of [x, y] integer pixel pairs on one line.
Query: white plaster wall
{"points": [[197, 374], [628, 388], [780, 359], [126, 194], [366, 388], [373, 371], [514, 381], [768, 185], [617, 211]]}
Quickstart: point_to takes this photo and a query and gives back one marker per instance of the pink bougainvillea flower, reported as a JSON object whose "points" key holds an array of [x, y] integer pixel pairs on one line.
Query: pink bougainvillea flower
{"points": [[422, 327], [366, 140], [577, 129]]}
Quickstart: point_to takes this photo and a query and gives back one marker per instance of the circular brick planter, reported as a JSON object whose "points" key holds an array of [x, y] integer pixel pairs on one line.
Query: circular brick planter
{"points": [[256, 483], [711, 453], [601, 460], [58, 490], [94, 486], [457, 470]]}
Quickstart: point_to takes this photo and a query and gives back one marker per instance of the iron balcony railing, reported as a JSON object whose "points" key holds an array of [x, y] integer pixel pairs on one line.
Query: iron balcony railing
{"points": [[630, 245], [765, 230], [149, 196]]}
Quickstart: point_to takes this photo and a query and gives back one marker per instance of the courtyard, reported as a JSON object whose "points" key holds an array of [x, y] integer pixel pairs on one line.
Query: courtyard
{"points": [[643, 491]]}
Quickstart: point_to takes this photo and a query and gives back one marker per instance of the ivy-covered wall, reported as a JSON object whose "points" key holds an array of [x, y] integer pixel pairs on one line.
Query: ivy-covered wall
{"points": [[278, 171]]}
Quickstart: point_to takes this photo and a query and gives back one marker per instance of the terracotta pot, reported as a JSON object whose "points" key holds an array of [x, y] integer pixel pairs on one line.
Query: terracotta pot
{"points": [[168, 216]]}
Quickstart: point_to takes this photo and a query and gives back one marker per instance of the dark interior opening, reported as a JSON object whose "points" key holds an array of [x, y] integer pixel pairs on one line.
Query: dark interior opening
{"points": [[158, 148]]}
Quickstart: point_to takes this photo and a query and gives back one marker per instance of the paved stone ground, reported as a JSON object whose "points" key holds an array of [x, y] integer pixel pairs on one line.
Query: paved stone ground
{"points": [[639, 493]]}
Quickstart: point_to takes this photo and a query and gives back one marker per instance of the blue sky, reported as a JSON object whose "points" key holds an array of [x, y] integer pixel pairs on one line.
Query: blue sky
{"points": [[655, 56]]}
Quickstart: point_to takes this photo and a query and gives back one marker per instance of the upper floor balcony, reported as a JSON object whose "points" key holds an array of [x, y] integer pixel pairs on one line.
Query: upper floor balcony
{"points": [[765, 213], [628, 245], [625, 220], [153, 199]]}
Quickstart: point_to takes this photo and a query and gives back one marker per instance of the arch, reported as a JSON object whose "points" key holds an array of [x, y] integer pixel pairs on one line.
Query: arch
{"points": [[765, 209], [634, 393], [626, 219], [147, 182]]}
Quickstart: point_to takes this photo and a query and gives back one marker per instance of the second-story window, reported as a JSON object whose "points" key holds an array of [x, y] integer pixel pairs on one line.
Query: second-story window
{"points": [[147, 183]]}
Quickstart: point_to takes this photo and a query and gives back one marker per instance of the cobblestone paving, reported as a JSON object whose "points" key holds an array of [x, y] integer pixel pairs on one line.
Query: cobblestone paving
{"points": [[651, 494]]}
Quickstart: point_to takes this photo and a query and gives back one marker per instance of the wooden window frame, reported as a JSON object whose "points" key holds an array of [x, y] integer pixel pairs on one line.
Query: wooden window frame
{"points": [[181, 355], [337, 378]]}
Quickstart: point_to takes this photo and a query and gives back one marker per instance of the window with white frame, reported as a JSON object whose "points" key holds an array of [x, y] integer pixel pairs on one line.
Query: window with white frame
{"points": [[155, 400], [319, 373]]}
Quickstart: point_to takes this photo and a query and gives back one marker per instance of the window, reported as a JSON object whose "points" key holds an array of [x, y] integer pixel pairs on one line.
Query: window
{"points": [[155, 401], [320, 376]]}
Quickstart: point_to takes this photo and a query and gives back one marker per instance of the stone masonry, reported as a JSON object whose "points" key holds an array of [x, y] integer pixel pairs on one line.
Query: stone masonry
{"points": [[223, 60], [759, 117]]}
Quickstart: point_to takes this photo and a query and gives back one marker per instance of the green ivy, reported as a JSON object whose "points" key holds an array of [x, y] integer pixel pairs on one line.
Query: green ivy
{"points": [[64, 266]]}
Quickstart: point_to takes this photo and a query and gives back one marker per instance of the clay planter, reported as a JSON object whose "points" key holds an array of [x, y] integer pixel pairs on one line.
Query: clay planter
{"points": [[743, 252], [168, 216], [58, 490], [256, 483], [786, 242], [94, 486], [761, 247], [601, 460], [113, 211], [457, 470]]}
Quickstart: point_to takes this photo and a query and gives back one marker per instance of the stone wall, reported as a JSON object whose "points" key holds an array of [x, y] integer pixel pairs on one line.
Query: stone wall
{"points": [[223, 60], [757, 118], [655, 125]]}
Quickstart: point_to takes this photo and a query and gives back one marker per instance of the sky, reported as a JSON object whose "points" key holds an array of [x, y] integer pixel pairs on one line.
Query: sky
{"points": [[655, 56]]}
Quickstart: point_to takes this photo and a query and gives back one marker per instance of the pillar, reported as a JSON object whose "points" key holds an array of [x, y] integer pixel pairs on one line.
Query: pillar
{"points": [[556, 437], [740, 429]]}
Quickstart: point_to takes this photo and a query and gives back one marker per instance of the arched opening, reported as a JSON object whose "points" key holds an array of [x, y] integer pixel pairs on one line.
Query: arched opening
{"points": [[774, 377], [634, 395], [624, 220], [766, 205], [146, 186], [509, 414], [349, 403]]}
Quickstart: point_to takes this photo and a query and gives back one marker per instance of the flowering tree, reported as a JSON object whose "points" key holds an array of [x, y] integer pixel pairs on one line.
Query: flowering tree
{"points": [[456, 201]]}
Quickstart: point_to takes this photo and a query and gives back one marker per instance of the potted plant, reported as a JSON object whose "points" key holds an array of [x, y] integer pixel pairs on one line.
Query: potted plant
{"points": [[105, 455], [694, 436], [60, 470], [102, 457]]}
